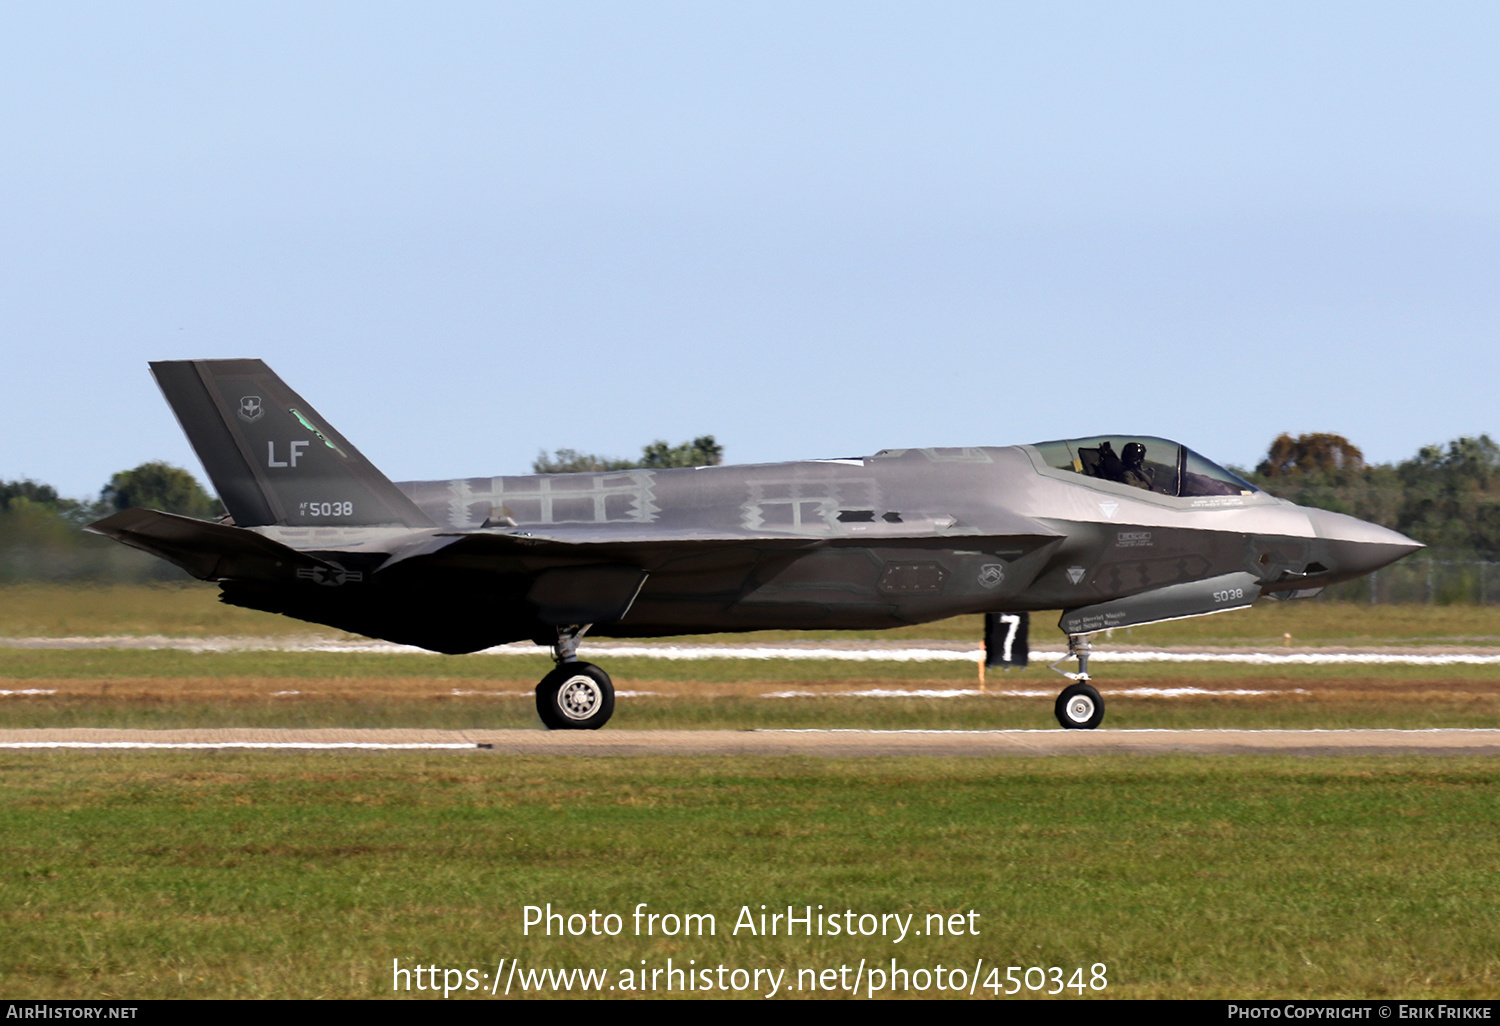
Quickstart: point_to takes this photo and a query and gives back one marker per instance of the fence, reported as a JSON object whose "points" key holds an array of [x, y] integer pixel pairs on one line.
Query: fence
{"points": [[1425, 581]]}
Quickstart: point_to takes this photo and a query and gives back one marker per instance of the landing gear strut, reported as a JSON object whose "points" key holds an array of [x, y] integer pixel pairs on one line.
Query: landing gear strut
{"points": [[575, 695], [1079, 707]]}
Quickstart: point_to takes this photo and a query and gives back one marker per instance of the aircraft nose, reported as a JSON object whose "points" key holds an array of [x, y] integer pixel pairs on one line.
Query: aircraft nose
{"points": [[1355, 547]]}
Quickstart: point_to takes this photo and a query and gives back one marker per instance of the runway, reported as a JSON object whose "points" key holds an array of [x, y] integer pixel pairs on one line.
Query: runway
{"points": [[861, 652], [818, 743]]}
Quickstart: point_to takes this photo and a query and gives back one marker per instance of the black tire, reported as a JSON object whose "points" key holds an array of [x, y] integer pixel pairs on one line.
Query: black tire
{"points": [[575, 696], [1079, 707]]}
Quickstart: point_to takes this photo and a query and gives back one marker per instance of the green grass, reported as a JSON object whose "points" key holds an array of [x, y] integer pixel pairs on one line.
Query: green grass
{"points": [[525, 670], [193, 610], [160, 875], [517, 669], [233, 874], [163, 689], [177, 610], [748, 714]]}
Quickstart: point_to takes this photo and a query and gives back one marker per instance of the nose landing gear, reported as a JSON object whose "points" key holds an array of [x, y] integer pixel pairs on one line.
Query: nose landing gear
{"points": [[1079, 707]]}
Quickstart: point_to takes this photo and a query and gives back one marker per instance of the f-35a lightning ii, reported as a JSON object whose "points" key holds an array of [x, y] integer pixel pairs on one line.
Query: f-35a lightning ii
{"points": [[1115, 530]]}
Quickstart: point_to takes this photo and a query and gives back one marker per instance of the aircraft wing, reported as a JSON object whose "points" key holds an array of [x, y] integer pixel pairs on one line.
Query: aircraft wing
{"points": [[570, 539], [211, 551]]}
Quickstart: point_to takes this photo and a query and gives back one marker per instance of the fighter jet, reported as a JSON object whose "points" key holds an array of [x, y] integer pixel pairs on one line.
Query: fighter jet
{"points": [[1115, 530]]}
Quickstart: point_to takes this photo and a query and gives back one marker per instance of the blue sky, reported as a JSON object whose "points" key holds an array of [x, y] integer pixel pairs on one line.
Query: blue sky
{"points": [[466, 232]]}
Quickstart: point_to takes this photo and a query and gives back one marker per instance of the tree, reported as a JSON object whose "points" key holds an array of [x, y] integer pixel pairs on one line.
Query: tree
{"points": [[1446, 497], [700, 452], [1467, 463], [1450, 496], [41, 540], [15, 494], [163, 487], [571, 461], [1311, 454], [19, 496]]}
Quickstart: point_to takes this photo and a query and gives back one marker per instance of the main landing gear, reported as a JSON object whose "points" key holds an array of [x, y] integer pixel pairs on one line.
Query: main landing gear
{"points": [[575, 695], [1079, 707]]}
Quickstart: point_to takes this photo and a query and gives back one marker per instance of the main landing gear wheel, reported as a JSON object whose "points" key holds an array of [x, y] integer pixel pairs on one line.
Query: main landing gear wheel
{"points": [[575, 696], [1079, 707]]}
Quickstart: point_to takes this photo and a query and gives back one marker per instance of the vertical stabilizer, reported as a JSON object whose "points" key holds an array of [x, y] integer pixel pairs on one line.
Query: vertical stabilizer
{"points": [[271, 457]]}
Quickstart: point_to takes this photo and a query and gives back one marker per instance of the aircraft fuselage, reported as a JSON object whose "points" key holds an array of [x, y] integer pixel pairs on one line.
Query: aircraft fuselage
{"points": [[1113, 530]]}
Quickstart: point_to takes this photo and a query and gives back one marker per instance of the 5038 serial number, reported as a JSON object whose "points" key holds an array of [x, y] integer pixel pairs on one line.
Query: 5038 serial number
{"points": [[1035, 978], [328, 509]]}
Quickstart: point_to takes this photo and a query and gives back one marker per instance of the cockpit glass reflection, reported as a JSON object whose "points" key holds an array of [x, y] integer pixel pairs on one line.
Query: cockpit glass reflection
{"points": [[1151, 464]]}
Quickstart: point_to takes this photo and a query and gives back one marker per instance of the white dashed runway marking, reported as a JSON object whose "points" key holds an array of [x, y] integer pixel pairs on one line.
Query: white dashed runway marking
{"points": [[832, 742], [888, 654]]}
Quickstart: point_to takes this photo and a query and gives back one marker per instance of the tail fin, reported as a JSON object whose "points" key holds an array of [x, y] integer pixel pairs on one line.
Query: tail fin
{"points": [[272, 459]]}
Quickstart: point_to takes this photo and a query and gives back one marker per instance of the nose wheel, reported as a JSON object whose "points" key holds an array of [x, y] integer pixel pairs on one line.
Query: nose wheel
{"points": [[1079, 707]]}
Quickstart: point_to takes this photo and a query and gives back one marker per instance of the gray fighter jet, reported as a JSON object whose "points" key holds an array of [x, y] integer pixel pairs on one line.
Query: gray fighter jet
{"points": [[1115, 530]]}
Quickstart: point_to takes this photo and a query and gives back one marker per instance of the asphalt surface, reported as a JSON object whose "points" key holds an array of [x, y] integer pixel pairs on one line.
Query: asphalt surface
{"points": [[834, 743]]}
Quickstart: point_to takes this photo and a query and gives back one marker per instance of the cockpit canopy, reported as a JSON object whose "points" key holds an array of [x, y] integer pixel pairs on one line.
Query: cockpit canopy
{"points": [[1152, 464]]}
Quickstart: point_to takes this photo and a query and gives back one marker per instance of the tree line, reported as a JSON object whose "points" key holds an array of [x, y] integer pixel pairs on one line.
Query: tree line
{"points": [[700, 452], [41, 536], [1446, 496]]}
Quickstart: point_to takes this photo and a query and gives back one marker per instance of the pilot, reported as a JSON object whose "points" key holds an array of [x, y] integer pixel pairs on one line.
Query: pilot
{"points": [[1110, 466], [1134, 471]]}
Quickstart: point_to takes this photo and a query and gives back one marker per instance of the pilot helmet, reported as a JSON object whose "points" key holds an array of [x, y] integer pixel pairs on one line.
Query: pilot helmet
{"points": [[1133, 452]]}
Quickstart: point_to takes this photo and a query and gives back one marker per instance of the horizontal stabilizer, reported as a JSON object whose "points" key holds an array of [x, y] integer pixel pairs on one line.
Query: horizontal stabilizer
{"points": [[1196, 598], [210, 552]]}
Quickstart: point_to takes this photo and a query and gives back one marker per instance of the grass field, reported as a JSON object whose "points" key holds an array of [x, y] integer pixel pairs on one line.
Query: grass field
{"points": [[157, 688], [259, 875], [127, 688], [235, 874], [193, 610], [277, 689]]}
